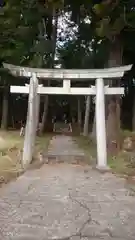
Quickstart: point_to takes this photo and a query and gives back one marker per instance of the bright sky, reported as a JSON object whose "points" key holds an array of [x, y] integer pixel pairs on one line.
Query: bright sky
{"points": [[66, 29]]}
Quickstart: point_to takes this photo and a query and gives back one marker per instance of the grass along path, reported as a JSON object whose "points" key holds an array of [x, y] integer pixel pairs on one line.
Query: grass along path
{"points": [[11, 145], [123, 163]]}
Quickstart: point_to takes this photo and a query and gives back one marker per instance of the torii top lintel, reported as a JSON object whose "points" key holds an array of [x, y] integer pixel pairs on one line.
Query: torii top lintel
{"points": [[115, 72]]}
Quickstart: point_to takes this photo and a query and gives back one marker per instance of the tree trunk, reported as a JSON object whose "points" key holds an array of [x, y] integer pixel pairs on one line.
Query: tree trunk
{"points": [[44, 116], [4, 121], [53, 39], [133, 116], [87, 115], [79, 113], [113, 124], [113, 104], [93, 134]]}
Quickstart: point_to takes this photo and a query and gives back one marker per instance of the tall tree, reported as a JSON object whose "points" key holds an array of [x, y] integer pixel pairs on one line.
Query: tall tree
{"points": [[113, 18], [53, 13]]}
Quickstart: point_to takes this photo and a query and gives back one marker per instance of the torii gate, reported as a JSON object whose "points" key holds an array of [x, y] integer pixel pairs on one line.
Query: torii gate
{"points": [[34, 90]]}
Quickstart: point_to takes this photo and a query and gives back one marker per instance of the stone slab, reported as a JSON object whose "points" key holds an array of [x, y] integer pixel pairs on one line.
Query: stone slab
{"points": [[63, 149]]}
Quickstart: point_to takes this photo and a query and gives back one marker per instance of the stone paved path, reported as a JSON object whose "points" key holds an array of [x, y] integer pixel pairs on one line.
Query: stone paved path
{"points": [[64, 149], [66, 202]]}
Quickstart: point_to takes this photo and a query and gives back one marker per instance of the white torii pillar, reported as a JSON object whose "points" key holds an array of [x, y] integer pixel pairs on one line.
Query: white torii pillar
{"points": [[100, 125], [31, 125], [37, 102], [101, 90]]}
